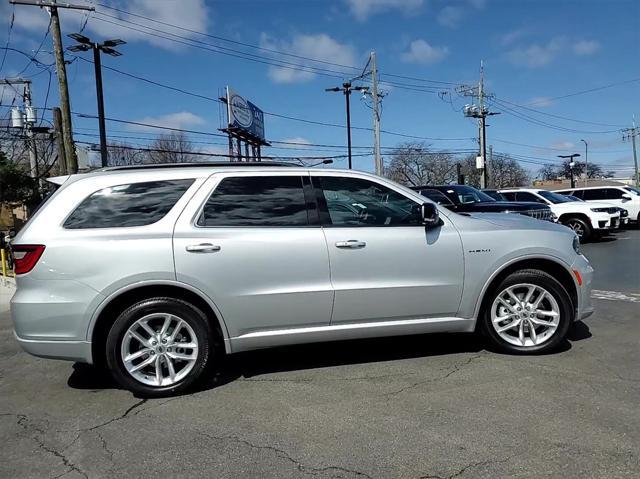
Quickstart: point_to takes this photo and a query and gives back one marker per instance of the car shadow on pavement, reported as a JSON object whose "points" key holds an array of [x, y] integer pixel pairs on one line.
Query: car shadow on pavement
{"points": [[322, 355]]}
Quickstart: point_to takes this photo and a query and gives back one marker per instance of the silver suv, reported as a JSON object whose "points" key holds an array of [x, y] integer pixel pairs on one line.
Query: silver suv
{"points": [[156, 272]]}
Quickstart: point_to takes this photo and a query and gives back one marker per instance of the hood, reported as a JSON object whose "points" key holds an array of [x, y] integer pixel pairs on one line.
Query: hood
{"points": [[501, 206], [515, 221]]}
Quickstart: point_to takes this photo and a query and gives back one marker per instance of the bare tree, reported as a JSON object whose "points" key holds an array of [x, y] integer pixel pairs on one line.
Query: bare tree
{"points": [[172, 147], [121, 154], [504, 171], [548, 172], [414, 164]]}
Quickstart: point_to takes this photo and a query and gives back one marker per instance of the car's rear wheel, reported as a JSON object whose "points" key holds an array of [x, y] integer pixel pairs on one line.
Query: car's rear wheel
{"points": [[529, 312], [581, 228], [159, 346]]}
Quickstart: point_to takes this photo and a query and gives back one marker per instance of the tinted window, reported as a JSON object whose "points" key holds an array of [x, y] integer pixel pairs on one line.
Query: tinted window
{"points": [[136, 204], [553, 197], [509, 195], [436, 196], [579, 194], [526, 196], [595, 194], [633, 190], [613, 194], [357, 202], [256, 201]]}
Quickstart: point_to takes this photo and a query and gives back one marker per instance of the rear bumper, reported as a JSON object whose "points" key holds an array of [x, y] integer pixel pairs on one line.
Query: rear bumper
{"points": [[68, 350]]}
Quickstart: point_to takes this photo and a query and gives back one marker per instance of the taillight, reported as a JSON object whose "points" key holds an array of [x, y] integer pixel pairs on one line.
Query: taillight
{"points": [[25, 256]]}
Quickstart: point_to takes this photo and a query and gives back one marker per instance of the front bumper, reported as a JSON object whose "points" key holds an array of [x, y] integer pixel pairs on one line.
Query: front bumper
{"points": [[604, 221]]}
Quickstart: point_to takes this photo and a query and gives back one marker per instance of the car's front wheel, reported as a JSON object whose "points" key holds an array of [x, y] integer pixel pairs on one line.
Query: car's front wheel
{"points": [[529, 312], [159, 346], [581, 228]]}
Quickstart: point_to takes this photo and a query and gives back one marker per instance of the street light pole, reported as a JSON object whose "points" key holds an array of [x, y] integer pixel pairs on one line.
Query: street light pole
{"points": [[346, 89], [586, 162], [571, 165], [84, 44]]}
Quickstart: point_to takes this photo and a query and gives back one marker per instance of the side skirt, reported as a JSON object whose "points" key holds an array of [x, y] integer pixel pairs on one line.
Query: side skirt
{"points": [[337, 332]]}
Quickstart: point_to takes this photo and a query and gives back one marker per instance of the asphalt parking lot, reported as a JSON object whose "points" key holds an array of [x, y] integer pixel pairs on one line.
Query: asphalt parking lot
{"points": [[414, 407]]}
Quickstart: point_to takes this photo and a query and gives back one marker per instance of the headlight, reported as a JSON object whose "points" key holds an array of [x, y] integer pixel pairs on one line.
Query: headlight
{"points": [[576, 245], [600, 210]]}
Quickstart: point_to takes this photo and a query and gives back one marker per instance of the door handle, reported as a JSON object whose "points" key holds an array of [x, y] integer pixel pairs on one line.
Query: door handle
{"points": [[202, 248], [351, 244]]}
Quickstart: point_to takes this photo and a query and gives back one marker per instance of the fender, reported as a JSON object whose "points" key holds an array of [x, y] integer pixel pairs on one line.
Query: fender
{"points": [[178, 284], [517, 259]]}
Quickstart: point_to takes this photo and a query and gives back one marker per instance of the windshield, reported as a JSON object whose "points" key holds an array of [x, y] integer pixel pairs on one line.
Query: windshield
{"points": [[633, 190], [553, 197], [572, 198], [467, 194]]}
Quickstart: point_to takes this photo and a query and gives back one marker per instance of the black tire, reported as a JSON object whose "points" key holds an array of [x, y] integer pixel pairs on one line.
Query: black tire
{"points": [[581, 227], [553, 287], [193, 316]]}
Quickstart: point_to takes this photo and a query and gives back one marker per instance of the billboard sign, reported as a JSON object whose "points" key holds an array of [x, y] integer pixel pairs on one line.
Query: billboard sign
{"points": [[244, 115]]}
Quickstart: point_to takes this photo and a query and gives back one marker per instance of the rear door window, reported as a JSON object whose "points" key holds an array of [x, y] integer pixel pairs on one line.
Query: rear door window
{"points": [[135, 204], [595, 194], [267, 201]]}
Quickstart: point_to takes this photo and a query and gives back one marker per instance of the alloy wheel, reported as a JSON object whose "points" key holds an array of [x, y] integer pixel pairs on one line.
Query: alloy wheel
{"points": [[525, 315], [577, 227], [159, 349]]}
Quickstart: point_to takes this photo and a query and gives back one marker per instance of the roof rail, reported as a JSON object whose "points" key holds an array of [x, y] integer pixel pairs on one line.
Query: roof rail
{"points": [[209, 164]]}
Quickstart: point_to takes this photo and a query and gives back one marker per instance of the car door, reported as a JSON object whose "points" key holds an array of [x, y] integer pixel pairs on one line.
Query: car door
{"points": [[384, 264], [249, 241], [624, 199]]}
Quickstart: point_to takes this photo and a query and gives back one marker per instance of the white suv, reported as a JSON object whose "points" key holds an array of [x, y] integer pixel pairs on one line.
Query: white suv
{"points": [[585, 219], [627, 197]]}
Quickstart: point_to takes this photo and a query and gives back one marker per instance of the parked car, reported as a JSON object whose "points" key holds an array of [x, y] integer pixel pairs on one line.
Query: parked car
{"points": [[586, 220], [624, 214], [494, 194], [627, 197], [466, 199], [156, 272]]}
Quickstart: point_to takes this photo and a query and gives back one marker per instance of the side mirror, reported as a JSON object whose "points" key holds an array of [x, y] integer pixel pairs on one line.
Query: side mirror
{"points": [[626, 197], [430, 215]]}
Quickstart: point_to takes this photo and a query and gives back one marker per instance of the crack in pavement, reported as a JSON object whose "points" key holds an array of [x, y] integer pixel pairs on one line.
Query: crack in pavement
{"points": [[24, 422], [117, 418], [456, 368], [308, 470], [459, 472]]}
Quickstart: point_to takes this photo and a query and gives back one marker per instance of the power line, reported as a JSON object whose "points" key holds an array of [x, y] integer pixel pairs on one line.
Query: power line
{"points": [[582, 92], [265, 49], [560, 117]]}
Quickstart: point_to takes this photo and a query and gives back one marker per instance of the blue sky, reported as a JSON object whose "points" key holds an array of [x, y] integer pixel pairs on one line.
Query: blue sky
{"points": [[533, 52]]}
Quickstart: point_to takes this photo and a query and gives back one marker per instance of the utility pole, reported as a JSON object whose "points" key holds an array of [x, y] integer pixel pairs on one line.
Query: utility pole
{"points": [[347, 88], [586, 162], [571, 165], [631, 133], [84, 44], [481, 112], [57, 126], [69, 148], [376, 115], [25, 121], [487, 168]]}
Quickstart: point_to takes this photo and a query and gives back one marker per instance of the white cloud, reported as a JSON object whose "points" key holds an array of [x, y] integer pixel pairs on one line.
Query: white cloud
{"points": [[536, 55], [298, 142], [182, 119], [363, 9], [586, 47], [191, 14], [422, 52], [319, 46], [450, 16], [540, 101], [513, 36], [562, 145]]}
